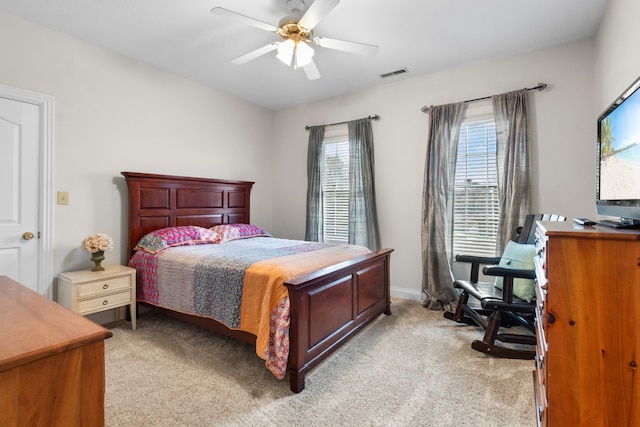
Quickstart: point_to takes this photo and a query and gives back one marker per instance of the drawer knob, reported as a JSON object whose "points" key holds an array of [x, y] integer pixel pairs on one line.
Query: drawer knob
{"points": [[551, 318], [105, 302], [105, 286]]}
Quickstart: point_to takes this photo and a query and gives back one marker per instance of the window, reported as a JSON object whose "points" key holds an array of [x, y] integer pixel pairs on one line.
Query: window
{"points": [[335, 184], [475, 205]]}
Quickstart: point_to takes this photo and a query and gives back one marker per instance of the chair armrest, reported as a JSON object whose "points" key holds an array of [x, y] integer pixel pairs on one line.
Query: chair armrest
{"points": [[475, 262], [509, 272], [478, 259]]}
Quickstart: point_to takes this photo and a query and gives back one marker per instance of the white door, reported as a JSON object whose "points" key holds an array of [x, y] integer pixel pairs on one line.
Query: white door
{"points": [[20, 133]]}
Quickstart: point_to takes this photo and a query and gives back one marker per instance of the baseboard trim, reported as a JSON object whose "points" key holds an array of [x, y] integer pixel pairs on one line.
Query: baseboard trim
{"points": [[403, 293]]}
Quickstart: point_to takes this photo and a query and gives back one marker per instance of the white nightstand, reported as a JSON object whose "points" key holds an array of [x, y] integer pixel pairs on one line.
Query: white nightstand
{"points": [[87, 291]]}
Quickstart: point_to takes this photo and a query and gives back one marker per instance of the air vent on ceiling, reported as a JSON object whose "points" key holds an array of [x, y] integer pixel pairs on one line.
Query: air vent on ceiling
{"points": [[394, 73]]}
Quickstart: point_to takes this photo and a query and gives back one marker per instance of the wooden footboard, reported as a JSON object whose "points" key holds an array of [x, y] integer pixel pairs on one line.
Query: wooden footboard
{"points": [[329, 306]]}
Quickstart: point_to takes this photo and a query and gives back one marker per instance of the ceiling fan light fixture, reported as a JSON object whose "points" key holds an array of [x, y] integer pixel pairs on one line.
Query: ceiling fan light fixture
{"points": [[303, 54], [286, 49], [295, 53]]}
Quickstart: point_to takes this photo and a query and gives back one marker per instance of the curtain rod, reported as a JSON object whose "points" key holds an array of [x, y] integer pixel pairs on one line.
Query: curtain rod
{"points": [[374, 117], [540, 86]]}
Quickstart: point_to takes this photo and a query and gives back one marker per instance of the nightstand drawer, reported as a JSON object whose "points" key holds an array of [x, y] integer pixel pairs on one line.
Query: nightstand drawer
{"points": [[89, 292], [105, 285], [104, 302]]}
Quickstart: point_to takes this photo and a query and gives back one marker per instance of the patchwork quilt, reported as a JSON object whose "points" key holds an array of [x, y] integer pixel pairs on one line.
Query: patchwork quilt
{"points": [[239, 283]]}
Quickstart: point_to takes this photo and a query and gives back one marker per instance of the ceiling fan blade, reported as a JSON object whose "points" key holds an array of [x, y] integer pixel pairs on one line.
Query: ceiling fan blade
{"points": [[352, 47], [255, 53], [221, 11], [316, 13], [311, 71]]}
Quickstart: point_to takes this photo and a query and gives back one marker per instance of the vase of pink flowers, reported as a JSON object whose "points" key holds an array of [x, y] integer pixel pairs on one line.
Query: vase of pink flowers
{"points": [[96, 244]]}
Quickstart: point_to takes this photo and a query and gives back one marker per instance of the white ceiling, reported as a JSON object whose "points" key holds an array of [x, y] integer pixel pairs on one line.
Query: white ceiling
{"points": [[423, 36]]}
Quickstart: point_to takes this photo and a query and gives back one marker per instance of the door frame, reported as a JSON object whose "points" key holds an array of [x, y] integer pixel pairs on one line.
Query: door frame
{"points": [[45, 182]]}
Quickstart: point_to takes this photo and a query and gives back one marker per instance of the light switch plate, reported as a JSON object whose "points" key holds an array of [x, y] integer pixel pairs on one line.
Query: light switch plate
{"points": [[63, 198]]}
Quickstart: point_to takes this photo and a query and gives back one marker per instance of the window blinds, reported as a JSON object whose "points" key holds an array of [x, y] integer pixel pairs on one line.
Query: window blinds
{"points": [[335, 184], [475, 208]]}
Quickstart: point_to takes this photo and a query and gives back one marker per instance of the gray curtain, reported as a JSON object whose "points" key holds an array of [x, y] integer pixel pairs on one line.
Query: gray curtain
{"points": [[510, 112], [314, 229], [363, 215], [442, 147]]}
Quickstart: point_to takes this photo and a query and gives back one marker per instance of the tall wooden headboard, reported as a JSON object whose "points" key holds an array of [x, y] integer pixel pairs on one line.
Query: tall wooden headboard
{"points": [[158, 201]]}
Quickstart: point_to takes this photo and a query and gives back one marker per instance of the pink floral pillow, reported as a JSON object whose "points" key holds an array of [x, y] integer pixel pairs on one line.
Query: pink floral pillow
{"points": [[164, 238], [228, 232]]}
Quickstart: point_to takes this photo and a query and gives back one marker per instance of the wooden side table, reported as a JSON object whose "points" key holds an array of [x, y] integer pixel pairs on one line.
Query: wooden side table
{"points": [[87, 291]]}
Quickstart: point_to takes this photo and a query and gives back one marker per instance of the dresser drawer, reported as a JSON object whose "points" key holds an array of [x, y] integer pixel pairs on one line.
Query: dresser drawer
{"points": [[541, 357], [104, 286], [103, 302], [540, 401], [541, 272], [541, 244]]}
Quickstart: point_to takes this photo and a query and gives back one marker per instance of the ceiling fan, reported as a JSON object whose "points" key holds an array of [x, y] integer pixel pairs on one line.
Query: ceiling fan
{"points": [[297, 36]]}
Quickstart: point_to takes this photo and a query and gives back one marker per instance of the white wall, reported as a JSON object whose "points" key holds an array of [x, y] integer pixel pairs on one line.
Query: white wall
{"points": [[617, 62], [562, 135], [113, 114]]}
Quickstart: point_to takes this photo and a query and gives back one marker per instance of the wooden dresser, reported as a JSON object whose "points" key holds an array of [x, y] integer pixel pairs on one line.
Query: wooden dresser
{"points": [[51, 362], [588, 326]]}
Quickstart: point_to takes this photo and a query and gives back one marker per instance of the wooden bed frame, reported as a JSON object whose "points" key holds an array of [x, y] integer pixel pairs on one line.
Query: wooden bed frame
{"points": [[327, 307]]}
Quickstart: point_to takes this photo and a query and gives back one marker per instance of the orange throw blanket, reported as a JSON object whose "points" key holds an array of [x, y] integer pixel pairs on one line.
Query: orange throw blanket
{"points": [[264, 292]]}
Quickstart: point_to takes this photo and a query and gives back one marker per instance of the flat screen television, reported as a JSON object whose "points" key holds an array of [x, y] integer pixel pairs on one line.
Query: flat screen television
{"points": [[618, 164]]}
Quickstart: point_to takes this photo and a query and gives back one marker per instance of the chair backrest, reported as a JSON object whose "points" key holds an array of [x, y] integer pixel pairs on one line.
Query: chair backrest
{"points": [[527, 233]]}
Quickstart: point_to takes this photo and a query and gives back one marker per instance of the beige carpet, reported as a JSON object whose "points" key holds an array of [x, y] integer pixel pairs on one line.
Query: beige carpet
{"points": [[413, 368]]}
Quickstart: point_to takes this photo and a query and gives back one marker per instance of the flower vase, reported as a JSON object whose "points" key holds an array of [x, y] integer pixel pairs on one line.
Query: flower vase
{"points": [[97, 258]]}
